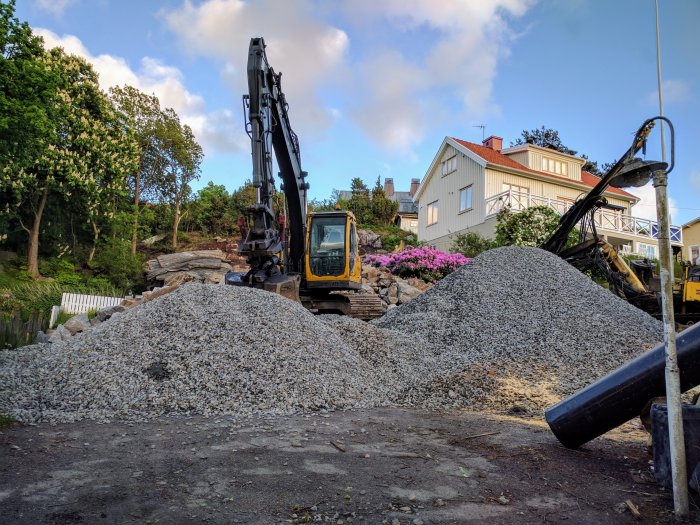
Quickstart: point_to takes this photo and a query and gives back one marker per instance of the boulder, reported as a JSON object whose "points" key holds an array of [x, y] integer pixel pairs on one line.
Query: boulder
{"points": [[152, 240], [406, 292], [105, 313], [369, 238], [176, 268], [59, 334], [77, 323], [41, 337]]}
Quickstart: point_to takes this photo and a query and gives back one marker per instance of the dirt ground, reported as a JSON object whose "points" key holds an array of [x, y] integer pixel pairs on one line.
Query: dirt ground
{"points": [[372, 466]]}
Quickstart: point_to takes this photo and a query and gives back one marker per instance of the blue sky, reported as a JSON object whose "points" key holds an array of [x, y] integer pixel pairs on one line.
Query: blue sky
{"points": [[374, 86]]}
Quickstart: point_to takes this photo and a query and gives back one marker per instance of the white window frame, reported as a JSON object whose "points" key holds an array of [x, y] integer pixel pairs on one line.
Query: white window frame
{"points": [[432, 211], [647, 250], [449, 165], [465, 199], [558, 167], [694, 248]]}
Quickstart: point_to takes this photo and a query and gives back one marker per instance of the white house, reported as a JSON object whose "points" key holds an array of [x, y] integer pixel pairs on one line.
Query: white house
{"points": [[467, 185]]}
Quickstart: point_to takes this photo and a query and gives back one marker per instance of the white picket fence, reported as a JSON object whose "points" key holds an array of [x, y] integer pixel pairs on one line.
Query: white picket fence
{"points": [[77, 303]]}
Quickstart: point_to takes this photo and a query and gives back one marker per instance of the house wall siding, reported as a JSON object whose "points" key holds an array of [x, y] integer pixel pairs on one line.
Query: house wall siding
{"points": [[446, 191], [691, 237]]}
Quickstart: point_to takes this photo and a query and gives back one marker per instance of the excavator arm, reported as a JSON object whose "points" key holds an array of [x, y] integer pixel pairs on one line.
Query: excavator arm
{"points": [[268, 127], [593, 252]]}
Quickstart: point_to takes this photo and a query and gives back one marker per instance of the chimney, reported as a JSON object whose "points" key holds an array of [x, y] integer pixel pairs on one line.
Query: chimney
{"points": [[494, 142], [389, 187], [414, 187]]}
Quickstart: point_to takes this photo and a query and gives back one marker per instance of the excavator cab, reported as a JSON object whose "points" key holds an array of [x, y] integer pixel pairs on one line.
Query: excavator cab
{"points": [[332, 259]]}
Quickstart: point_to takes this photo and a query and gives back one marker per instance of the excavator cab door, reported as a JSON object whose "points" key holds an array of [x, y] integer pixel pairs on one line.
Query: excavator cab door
{"points": [[327, 247], [332, 258]]}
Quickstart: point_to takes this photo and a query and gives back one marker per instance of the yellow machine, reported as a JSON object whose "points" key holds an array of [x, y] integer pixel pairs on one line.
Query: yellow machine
{"points": [[332, 259], [308, 257], [690, 289]]}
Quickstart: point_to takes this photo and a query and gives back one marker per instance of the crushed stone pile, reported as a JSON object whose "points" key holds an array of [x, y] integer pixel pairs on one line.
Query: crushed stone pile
{"points": [[201, 349], [516, 329], [520, 328]]}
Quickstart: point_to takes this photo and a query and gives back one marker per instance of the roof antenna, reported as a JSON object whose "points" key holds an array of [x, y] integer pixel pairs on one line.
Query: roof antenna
{"points": [[483, 127]]}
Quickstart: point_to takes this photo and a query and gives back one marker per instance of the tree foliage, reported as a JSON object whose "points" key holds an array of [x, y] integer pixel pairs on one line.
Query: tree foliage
{"points": [[530, 227], [471, 244], [383, 209], [145, 117], [183, 157], [549, 138], [87, 151]]}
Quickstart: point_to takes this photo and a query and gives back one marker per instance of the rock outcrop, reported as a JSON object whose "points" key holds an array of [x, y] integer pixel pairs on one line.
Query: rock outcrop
{"points": [[203, 266]]}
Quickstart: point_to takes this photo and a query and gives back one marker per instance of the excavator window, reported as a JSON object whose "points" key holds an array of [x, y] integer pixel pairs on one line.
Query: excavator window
{"points": [[327, 246]]}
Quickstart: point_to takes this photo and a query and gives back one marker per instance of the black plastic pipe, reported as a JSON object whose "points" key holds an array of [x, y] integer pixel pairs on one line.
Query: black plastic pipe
{"points": [[623, 394]]}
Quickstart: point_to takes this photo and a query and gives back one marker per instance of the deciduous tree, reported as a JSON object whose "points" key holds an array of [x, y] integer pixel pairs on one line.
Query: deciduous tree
{"points": [[183, 157], [84, 145], [146, 118]]}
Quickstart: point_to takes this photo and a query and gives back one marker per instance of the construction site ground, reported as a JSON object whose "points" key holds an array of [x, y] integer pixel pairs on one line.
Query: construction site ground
{"points": [[363, 466]]}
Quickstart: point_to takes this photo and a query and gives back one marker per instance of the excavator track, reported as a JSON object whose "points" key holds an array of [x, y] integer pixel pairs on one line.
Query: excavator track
{"points": [[365, 306]]}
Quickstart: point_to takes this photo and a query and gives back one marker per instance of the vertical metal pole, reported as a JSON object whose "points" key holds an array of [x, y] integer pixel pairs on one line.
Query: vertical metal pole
{"points": [[673, 383]]}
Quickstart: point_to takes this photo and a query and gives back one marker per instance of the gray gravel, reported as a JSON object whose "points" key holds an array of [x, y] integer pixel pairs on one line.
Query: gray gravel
{"points": [[202, 349], [518, 328]]}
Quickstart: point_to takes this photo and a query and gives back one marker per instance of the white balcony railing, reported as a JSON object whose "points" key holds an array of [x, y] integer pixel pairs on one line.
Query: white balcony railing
{"points": [[605, 219]]}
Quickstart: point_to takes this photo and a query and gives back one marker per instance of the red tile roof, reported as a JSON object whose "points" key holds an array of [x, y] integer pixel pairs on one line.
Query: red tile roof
{"points": [[499, 159]]}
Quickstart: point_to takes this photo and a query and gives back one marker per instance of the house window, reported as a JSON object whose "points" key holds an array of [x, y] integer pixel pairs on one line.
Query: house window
{"points": [[465, 199], [449, 165], [554, 166], [432, 212], [646, 250], [695, 254]]}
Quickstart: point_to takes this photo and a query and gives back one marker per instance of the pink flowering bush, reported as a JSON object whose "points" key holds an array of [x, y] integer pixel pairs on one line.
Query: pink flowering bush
{"points": [[424, 263]]}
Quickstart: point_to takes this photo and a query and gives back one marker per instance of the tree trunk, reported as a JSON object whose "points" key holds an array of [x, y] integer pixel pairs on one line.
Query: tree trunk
{"points": [[176, 223], [137, 198], [33, 245], [96, 236]]}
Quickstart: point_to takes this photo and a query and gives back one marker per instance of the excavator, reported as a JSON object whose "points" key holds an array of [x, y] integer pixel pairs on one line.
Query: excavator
{"points": [[594, 253], [311, 258]]}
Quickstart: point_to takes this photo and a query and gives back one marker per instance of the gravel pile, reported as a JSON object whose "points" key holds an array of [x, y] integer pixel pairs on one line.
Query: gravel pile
{"points": [[202, 349], [518, 328]]}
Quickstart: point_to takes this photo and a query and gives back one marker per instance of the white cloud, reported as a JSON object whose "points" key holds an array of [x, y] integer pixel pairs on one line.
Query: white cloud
{"points": [[461, 62], [646, 207], [674, 91], [393, 97], [304, 49], [56, 7], [215, 131]]}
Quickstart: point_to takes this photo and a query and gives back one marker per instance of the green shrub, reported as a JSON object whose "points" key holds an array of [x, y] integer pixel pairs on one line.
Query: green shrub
{"points": [[115, 262], [471, 244], [530, 227], [61, 269], [390, 242]]}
